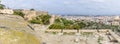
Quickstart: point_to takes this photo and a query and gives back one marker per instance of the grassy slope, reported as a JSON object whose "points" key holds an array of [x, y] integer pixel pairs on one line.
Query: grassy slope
{"points": [[17, 37], [14, 30]]}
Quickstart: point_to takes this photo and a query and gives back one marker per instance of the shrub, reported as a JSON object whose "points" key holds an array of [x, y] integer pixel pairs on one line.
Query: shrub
{"points": [[42, 19], [45, 19], [2, 6], [66, 24], [34, 21], [56, 26], [19, 13]]}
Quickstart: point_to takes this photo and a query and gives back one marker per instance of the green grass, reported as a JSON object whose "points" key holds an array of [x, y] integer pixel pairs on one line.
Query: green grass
{"points": [[17, 37]]}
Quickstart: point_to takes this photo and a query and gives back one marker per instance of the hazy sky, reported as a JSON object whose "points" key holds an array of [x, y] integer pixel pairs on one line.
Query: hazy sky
{"points": [[84, 7]]}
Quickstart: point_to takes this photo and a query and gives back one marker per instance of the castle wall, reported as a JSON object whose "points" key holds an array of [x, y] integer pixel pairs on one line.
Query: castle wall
{"points": [[6, 11], [29, 15]]}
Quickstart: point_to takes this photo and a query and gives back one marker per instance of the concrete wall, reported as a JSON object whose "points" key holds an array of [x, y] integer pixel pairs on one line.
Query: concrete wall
{"points": [[90, 30]]}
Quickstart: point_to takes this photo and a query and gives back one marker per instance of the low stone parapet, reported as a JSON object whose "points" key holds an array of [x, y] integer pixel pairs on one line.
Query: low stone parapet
{"points": [[82, 30]]}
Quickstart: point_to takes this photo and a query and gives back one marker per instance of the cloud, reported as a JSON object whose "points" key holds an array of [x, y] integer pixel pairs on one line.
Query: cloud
{"points": [[68, 6], [99, 0], [67, 2]]}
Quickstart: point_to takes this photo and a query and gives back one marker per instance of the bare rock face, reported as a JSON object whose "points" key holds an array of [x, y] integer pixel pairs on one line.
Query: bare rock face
{"points": [[14, 30]]}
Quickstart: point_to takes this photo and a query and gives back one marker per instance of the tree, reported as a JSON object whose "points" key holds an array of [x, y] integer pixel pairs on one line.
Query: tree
{"points": [[56, 26], [34, 21], [19, 13], [32, 9], [81, 24], [77, 27], [2, 6], [45, 19], [57, 20], [68, 24], [42, 19]]}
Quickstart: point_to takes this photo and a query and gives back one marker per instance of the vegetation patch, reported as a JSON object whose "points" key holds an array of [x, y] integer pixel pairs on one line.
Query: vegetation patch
{"points": [[62, 23], [100, 39], [2, 6], [42, 19], [18, 12]]}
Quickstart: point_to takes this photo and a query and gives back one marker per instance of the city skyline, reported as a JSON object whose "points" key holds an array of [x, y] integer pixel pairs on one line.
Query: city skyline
{"points": [[65, 7]]}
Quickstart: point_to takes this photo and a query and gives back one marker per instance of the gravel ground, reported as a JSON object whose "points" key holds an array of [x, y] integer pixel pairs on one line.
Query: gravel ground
{"points": [[50, 38]]}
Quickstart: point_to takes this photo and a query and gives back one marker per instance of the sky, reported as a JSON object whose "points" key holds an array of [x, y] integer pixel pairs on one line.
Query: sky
{"points": [[65, 7]]}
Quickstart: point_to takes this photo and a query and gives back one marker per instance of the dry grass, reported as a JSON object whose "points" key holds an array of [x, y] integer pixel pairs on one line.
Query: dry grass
{"points": [[17, 37], [16, 31]]}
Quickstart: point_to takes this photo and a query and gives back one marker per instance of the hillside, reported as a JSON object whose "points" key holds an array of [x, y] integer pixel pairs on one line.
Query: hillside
{"points": [[13, 22], [14, 30]]}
